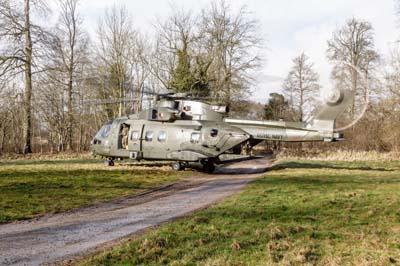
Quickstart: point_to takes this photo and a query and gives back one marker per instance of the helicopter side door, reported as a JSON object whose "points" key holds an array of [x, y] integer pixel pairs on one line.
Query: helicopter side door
{"points": [[135, 141]]}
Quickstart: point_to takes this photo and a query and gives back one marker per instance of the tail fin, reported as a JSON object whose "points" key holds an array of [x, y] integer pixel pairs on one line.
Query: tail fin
{"points": [[335, 104]]}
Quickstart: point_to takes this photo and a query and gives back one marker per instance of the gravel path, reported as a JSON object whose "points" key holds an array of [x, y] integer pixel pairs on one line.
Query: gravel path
{"points": [[63, 236]]}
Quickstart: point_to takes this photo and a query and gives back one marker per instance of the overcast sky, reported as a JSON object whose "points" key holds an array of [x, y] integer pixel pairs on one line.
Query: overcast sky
{"points": [[288, 26]]}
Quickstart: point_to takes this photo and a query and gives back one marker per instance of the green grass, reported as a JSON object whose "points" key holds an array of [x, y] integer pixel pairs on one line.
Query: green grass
{"points": [[300, 213], [34, 187]]}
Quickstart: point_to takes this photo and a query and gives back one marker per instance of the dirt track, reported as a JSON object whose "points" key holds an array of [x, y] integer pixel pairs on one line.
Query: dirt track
{"points": [[64, 236]]}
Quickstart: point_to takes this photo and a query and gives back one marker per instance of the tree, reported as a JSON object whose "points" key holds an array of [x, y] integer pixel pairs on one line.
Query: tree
{"points": [[392, 76], [177, 61], [138, 56], [276, 107], [115, 36], [389, 122], [11, 115], [216, 53], [301, 86], [182, 77], [351, 50], [19, 34], [68, 54], [174, 48], [186, 78], [232, 41]]}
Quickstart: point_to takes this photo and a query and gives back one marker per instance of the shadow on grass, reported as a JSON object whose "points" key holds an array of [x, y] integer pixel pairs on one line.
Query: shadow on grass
{"points": [[240, 171], [325, 165]]}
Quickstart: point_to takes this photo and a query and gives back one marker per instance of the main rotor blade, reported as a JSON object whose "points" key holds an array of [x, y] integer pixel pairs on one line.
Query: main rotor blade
{"points": [[111, 101]]}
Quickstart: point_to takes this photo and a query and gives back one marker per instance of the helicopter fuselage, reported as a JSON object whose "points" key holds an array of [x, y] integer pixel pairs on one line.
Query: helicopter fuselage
{"points": [[190, 131], [184, 140]]}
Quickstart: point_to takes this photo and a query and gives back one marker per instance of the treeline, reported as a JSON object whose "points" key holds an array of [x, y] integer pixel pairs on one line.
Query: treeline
{"points": [[58, 86]]}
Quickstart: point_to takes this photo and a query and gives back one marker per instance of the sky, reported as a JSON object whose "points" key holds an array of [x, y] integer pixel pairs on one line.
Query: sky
{"points": [[288, 27]]}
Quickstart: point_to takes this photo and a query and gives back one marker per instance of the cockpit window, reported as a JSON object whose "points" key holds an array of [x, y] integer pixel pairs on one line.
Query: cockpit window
{"points": [[104, 130]]}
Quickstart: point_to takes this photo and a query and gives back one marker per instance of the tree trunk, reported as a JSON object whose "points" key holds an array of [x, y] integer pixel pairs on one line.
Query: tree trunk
{"points": [[354, 85], [28, 82], [3, 140], [70, 110]]}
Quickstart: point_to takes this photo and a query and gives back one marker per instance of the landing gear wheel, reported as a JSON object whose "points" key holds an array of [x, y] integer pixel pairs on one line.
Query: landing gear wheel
{"points": [[108, 162], [208, 167], [177, 166]]}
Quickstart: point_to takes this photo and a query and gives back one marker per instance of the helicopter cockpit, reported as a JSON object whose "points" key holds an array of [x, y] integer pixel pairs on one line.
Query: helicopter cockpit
{"points": [[103, 133]]}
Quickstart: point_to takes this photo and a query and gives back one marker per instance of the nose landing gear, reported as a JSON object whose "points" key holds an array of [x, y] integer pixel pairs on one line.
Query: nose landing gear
{"points": [[178, 166], [109, 162]]}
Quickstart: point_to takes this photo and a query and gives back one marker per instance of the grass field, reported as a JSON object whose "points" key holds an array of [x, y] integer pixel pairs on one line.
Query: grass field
{"points": [[34, 187], [300, 213]]}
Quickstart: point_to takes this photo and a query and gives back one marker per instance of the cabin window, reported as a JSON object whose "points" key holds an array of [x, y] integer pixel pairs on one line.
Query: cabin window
{"points": [[195, 137], [149, 136], [162, 136], [214, 132], [134, 135]]}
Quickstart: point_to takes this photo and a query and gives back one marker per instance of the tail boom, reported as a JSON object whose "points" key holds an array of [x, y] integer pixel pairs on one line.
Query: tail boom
{"points": [[282, 131]]}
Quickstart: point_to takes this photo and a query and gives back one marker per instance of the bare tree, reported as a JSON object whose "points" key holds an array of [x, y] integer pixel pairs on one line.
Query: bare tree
{"points": [[52, 102], [68, 51], [18, 35], [115, 36], [397, 9], [388, 108], [138, 56], [351, 49], [392, 75], [173, 50], [301, 86], [232, 40]]}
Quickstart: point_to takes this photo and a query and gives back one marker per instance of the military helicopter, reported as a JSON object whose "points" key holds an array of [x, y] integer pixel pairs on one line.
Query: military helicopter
{"points": [[184, 130]]}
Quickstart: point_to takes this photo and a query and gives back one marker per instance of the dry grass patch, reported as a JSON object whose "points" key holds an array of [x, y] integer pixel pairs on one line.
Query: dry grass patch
{"points": [[341, 155]]}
